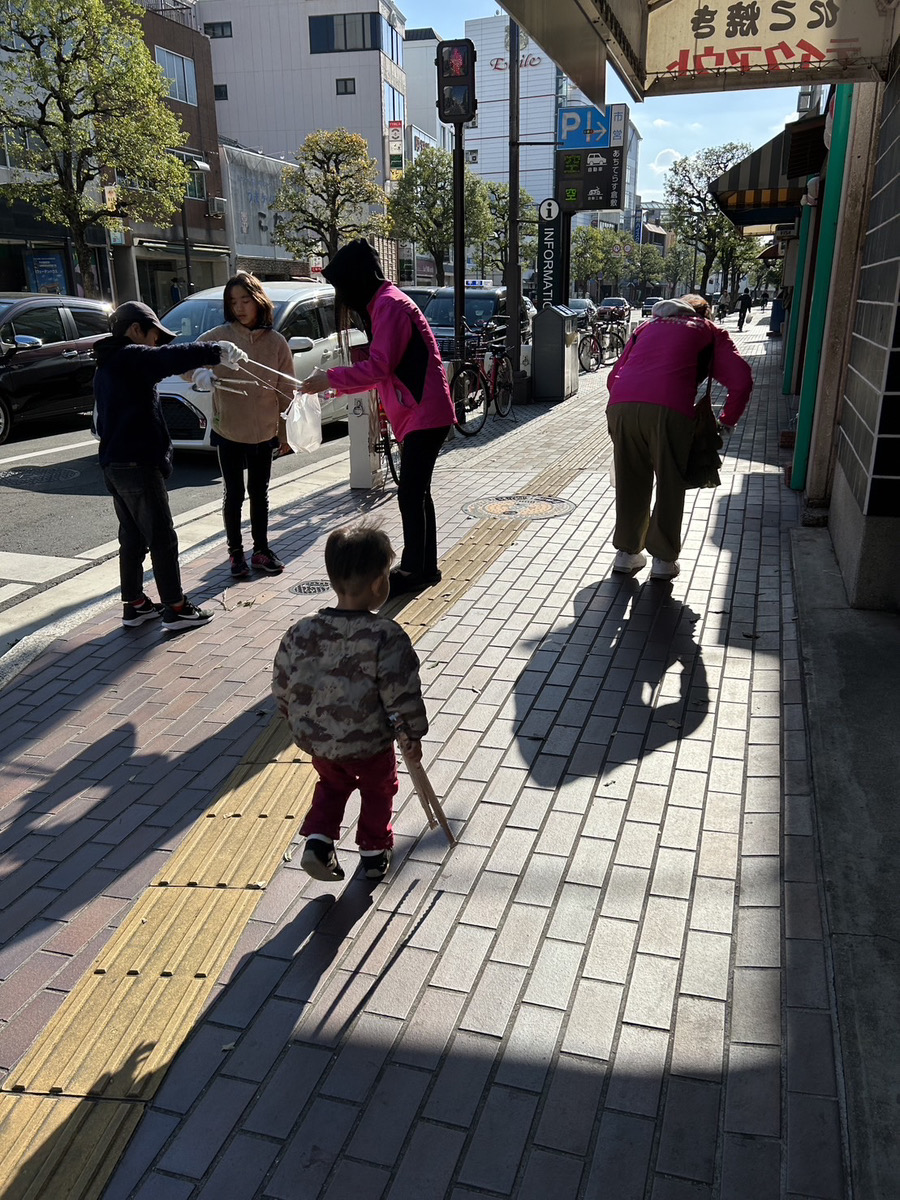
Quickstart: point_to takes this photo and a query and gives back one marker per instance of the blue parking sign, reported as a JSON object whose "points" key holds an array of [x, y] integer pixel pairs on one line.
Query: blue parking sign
{"points": [[586, 128]]}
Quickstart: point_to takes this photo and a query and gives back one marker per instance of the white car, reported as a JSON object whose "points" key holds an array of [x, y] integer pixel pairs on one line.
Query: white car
{"points": [[304, 314]]}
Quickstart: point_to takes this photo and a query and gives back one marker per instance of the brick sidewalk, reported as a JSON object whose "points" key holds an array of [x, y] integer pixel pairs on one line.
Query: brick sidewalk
{"points": [[614, 985]]}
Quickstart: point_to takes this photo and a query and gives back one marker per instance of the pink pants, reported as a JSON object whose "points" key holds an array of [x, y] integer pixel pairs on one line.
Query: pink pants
{"points": [[376, 778]]}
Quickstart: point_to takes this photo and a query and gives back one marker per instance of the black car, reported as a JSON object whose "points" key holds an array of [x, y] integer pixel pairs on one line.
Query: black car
{"points": [[585, 309], [47, 355], [483, 306], [421, 295]]}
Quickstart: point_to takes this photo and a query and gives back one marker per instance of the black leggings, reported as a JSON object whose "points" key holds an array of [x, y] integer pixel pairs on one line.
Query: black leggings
{"points": [[234, 459], [418, 454]]}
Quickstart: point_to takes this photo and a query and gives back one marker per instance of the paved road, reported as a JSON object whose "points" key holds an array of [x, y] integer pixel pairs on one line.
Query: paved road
{"points": [[55, 472]]}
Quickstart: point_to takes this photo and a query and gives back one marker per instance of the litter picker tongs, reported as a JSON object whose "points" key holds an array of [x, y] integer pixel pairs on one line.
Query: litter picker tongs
{"points": [[420, 781]]}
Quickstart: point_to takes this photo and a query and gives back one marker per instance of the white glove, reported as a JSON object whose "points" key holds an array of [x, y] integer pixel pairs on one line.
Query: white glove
{"points": [[203, 379], [725, 430], [232, 355]]}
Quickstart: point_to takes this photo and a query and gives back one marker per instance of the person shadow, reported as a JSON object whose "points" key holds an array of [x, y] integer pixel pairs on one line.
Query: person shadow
{"points": [[623, 680]]}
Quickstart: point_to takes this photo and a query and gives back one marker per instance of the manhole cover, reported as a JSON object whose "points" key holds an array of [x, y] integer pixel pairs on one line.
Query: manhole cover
{"points": [[311, 587], [529, 508], [38, 477]]}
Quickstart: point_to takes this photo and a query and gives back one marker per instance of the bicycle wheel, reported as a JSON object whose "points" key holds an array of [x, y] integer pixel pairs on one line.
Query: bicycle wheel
{"points": [[503, 387], [470, 397], [613, 345], [390, 452], [589, 353]]}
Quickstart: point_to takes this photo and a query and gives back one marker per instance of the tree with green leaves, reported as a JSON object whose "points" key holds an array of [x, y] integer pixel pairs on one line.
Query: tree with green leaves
{"points": [[694, 214], [647, 266], [677, 266], [330, 196], [421, 207], [497, 244], [83, 104], [737, 256], [586, 256]]}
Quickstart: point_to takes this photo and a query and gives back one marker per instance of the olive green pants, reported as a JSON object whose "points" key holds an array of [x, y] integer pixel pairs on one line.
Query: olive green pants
{"points": [[649, 441]]}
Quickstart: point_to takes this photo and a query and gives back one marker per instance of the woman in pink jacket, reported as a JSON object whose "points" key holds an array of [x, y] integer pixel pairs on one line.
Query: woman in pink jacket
{"points": [[652, 390], [403, 362]]}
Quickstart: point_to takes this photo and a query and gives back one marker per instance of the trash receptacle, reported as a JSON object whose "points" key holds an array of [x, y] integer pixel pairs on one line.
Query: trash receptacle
{"points": [[554, 353]]}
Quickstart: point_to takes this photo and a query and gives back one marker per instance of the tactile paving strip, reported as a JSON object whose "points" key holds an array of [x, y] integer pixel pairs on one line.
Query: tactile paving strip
{"points": [[120, 1028], [62, 1146]]}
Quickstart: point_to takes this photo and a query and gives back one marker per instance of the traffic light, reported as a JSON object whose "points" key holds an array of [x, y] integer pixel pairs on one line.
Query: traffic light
{"points": [[456, 81]]}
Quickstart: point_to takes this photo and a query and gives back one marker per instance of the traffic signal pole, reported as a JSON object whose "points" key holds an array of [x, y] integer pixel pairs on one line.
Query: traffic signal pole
{"points": [[456, 104], [459, 239]]}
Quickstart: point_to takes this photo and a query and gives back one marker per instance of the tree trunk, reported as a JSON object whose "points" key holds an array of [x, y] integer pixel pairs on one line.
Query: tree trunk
{"points": [[438, 256], [85, 263]]}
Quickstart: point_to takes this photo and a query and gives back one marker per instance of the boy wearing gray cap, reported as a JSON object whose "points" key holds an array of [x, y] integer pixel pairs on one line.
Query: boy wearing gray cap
{"points": [[136, 454]]}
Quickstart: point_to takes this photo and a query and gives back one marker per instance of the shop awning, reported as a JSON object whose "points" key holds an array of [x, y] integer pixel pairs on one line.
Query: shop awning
{"points": [[756, 191], [648, 228]]}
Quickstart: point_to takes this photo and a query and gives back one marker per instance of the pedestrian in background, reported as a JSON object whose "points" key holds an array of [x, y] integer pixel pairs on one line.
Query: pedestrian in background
{"points": [[652, 390], [403, 362], [744, 305], [247, 425], [338, 678], [136, 455]]}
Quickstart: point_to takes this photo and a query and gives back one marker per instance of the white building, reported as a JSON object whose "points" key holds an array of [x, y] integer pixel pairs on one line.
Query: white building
{"points": [[283, 69], [540, 80], [419, 53]]}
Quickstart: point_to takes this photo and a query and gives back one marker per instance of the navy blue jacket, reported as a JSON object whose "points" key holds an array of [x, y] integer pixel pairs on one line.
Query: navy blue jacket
{"points": [[129, 418]]}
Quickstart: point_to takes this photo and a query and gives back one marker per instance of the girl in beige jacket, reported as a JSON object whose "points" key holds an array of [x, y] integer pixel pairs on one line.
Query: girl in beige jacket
{"points": [[248, 428]]}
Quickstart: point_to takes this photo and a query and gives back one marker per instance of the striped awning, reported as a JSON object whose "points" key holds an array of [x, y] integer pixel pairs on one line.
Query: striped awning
{"points": [[755, 191]]}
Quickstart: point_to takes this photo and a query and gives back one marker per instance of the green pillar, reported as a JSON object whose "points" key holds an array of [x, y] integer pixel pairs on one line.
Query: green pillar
{"points": [[796, 308], [821, 287]]}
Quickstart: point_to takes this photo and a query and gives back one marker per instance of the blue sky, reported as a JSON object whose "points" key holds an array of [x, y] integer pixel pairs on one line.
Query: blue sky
{"points": [[669, 127]]}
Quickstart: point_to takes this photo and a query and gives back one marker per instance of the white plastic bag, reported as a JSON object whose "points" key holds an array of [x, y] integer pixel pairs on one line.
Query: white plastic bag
{"points": [[303, 423]]}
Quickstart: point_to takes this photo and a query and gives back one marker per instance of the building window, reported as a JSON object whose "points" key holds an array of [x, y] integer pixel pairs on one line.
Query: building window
{"points": [[181, 75], [344, 31], [196, 188], [217, 29], [220, 91], [355, 31], [394, 104], [345, 87]]}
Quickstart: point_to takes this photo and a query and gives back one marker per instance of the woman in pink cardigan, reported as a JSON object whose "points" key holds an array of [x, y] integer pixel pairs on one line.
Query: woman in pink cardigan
{"points": [[404, 363], [652, 390]]}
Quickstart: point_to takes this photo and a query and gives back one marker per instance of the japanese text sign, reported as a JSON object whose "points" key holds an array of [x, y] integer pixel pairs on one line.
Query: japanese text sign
{"points": [[728, 44]]}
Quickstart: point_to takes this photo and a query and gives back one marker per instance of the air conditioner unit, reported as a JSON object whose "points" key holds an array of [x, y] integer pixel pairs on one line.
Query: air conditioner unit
{"points": [[218, 206]]}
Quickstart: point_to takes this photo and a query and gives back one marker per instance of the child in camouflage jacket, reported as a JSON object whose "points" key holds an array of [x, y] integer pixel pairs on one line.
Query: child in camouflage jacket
{"points": [[339, 675]]}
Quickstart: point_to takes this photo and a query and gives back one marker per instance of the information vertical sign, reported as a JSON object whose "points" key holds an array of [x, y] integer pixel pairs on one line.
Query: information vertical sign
{"points": [[550, 272]]}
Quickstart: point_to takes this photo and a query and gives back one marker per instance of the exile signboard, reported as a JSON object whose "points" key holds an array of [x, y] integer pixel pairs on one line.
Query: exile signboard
{"points": [[588, 179], [695, 47]]}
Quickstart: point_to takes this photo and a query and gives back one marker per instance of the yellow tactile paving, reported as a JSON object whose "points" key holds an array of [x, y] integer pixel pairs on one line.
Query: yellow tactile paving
{"points": [[240, 840], [120, 1027], [67, 1147]]}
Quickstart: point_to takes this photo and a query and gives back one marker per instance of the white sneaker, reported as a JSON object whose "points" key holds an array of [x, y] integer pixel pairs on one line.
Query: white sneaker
{"points": [[664, 570], [627, 563]]}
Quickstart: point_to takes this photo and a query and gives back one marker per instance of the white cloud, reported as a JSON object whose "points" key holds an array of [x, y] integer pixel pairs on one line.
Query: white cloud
{"points": [[695, 126], [664, 160], [791, 116], [659, 123]]}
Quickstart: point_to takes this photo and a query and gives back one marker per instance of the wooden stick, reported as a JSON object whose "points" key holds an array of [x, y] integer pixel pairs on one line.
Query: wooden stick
{"points": [[422, 784]]}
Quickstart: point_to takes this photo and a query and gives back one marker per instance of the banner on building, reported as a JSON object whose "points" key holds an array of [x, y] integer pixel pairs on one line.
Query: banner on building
{"points": [[720, 46]]}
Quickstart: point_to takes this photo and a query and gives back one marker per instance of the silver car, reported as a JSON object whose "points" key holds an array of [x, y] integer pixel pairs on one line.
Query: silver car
{"points": [[304, 314]]}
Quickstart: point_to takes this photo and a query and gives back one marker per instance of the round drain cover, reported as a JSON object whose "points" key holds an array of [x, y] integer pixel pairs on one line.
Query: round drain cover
{"points": [[311, 587], [38, 477], [519, 508]]}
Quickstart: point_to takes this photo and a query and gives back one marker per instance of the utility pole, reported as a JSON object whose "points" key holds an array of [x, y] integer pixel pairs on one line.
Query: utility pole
{"points": [[513, 269]]}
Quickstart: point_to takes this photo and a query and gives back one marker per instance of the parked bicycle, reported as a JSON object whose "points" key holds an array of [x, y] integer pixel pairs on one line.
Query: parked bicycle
{"points": [[484, 377], [386, 445], [602, 344]]}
